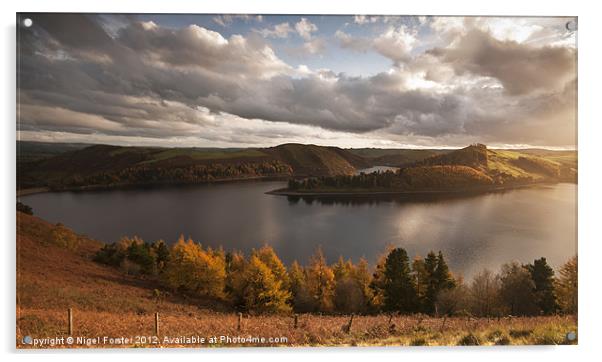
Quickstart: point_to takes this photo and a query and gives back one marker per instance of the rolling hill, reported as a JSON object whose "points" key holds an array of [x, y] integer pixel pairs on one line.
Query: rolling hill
{"points": [[312, 160], [110, 166], [473, 168], [395, 157], [78, 166]]}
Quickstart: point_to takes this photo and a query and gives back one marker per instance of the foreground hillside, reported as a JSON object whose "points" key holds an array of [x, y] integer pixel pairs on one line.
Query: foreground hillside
{"points": [[77, 166], [55, 272]]}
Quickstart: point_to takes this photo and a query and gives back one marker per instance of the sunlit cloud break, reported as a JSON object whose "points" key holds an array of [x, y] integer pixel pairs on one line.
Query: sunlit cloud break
{"points": [[262, 80]]}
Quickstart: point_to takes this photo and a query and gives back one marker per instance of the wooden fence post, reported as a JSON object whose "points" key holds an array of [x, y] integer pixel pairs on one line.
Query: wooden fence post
{"points": [[70, 317], [157, 324], [239, 321], [348, 328], [443, 324], [296, 320]]}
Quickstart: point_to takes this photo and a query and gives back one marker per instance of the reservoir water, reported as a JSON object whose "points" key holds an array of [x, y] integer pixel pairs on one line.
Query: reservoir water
{"points": [[474, 232]]}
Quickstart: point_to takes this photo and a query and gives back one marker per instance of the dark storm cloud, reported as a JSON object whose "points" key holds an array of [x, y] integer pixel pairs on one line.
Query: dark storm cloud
{"points": [[145, 80]]}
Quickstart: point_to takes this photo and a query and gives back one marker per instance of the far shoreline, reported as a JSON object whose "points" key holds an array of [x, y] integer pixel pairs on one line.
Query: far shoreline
{"points": [[418, 193], [42, 190], [286, 192]]}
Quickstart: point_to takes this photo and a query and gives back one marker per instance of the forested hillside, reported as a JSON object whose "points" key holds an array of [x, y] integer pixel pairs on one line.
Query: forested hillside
{"points": [[309, 167], [107, 166], [468, 169]]}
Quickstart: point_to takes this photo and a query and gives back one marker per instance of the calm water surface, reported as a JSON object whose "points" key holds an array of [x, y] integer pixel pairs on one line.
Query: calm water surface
{"points": [[473, 233]]}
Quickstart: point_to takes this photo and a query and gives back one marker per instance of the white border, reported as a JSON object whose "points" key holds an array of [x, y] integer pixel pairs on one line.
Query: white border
{"points": [[590, 151]]}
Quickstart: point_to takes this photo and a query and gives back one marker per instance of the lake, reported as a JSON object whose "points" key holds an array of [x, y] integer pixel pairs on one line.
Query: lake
{"points": [[473, 232]]}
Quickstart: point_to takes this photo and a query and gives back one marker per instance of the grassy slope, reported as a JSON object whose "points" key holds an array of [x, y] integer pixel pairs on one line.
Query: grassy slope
{"points": [[395, 157], [312, 160], [304, 159], [106, 302], [40, 163], [504, 166], [28, 151], [473, 168]]}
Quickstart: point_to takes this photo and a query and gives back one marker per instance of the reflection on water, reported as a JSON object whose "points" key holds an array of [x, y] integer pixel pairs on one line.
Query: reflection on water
{"points": [[473, 232], [377, 169], [375, 199]]}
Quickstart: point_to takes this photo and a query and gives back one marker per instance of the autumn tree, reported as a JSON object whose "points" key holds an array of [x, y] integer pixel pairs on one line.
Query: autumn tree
{"points": [[235, 282], [342, 269], [399, 287], [268, 256], [421, 280], [361, 275], [485, 294], [377, 282], [566, 286], [195, 269], [302, 299], [517, 290], [264, 291], [64, 237], [320, 282], [453, 301], [543, 277], [349, 294]]}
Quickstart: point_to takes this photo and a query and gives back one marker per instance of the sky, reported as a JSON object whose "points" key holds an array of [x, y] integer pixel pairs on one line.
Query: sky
{"points": [[262, 80]]}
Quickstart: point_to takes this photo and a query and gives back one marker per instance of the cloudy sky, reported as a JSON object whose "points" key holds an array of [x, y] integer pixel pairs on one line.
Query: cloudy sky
{"points": [[254, 81]]}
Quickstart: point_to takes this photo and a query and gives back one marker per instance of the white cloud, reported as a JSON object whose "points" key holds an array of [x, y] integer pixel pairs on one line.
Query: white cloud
{"points": [[396, 43], [281, 30], [315, 46], [226, 20], [360, 44], [304, 28], [365, 19]]}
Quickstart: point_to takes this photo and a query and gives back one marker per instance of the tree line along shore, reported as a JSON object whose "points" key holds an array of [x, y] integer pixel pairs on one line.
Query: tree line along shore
{"points": [[261, 283]]}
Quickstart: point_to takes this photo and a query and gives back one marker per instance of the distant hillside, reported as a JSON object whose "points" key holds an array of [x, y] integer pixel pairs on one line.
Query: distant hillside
{"points": [[471, 168], [475, 156], [312, 160], [28, 151], [109, 166], [395, 157]]}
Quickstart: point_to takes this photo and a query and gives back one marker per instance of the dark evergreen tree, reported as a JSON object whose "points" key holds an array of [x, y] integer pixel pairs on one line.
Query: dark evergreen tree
{"points": [[443, 276], [517, 290], [110, 254], [140, 253], [432, 289], [543, 277], [24, 208], [161, 251], [421, 279], [399, 289]]}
